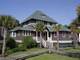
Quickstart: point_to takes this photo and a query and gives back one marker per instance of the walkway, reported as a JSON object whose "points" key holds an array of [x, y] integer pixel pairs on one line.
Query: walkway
{"points": [[24, 55]]}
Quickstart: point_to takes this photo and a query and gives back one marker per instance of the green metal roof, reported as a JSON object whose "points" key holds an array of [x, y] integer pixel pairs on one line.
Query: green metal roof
{"points": [[31, 27], [26, 28], [63, 28], [17, 28], [39, 15]]}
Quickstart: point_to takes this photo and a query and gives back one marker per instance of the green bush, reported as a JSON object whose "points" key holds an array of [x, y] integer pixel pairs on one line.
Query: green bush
{"points": [[11, 43], [12, 47], [21, 47], [28, 42]]}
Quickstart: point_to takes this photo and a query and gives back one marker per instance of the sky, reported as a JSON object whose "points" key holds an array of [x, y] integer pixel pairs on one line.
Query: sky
{"points": [[62, 11]]}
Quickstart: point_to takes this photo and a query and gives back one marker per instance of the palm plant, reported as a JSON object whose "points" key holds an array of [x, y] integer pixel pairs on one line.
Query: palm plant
{"points": [[40, 29], [57, 28], [7, 22]]}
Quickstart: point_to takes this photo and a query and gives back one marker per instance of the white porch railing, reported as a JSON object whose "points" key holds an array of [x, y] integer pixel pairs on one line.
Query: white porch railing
{"points": [[44, 43], [62, 41]]}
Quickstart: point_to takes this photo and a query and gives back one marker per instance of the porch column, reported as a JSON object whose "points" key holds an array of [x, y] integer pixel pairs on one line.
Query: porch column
{"points": [[51, 36], [25, 33], [47, 36], [15, 34], [36, 35], [11, 34]]}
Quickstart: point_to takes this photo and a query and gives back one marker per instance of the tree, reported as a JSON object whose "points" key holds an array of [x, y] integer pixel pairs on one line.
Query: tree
{"points": [[76, 21], [78, 10], [40, 28], [57, 28], [74, 31], [7, 22], [78, 16], [74, 27]]}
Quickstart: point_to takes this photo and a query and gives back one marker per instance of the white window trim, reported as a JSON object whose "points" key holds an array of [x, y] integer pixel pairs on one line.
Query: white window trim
{"points": [[13, 34]]}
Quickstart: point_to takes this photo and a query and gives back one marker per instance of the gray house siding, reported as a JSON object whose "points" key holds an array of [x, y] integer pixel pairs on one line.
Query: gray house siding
{"points": [[63, 35], [21, 34]]}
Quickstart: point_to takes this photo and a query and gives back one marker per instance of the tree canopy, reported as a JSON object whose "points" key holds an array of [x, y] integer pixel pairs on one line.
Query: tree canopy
{"points": [[39, 27], [76, 21], [57, 27], [8, 21], [78, 10]]}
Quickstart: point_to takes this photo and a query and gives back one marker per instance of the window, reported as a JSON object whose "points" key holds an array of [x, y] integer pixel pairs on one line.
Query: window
{"points": [[13, 34]]}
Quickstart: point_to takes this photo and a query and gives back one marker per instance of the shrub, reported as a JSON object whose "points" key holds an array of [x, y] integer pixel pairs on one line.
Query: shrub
{"points": [[21, 47], [28, 42], [34, 44], [11, 43]]}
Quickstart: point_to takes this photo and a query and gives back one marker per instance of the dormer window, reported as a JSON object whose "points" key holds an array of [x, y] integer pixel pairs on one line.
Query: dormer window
{"points": [[43, 16]]}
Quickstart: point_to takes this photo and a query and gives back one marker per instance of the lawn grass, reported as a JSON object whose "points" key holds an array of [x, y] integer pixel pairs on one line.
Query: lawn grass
{"points": [[35, 49], [72, 49], [52, 57], [28, 51]]}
